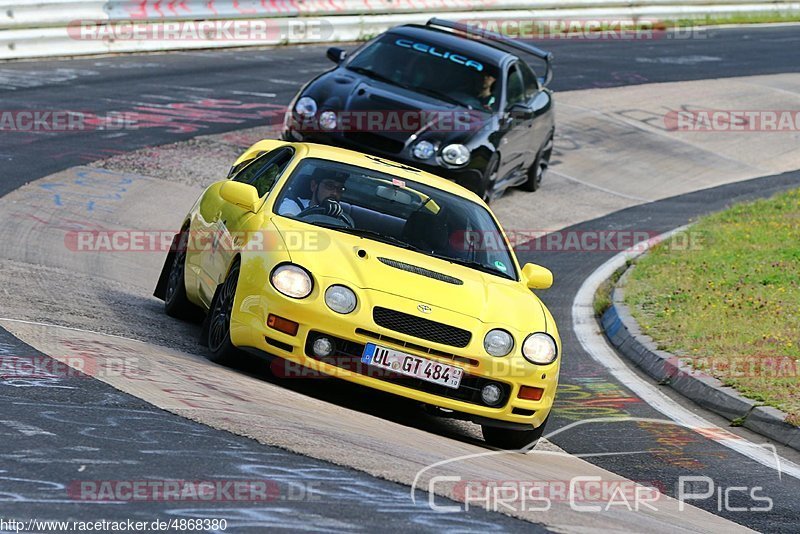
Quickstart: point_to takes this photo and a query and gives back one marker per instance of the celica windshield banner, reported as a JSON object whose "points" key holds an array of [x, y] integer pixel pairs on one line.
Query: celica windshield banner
{"points": [[432, 50]]}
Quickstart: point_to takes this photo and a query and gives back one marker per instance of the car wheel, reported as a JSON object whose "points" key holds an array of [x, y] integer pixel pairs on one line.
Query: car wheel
{"points": [[218, 323], [489, 178], [506, 438], [539, 167], [176, 304]]}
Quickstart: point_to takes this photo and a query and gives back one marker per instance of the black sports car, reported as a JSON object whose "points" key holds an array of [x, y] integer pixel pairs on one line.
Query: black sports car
{"points": [[444, 97]]}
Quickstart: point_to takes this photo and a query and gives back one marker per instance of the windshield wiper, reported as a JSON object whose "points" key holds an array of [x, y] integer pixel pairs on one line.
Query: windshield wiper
{"points": [[377, 236], [376, 76], [474, 265], [440, 96]]}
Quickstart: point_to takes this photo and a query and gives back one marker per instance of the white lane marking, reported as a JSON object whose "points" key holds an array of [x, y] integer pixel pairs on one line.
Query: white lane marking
{"points": [[251, 93], [26, 429], [678, 60], [595, 344], [599, 188], [280, 81]]}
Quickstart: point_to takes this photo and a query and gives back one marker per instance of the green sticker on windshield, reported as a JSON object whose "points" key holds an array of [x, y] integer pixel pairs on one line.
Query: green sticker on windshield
{"points": [[501, 266]]}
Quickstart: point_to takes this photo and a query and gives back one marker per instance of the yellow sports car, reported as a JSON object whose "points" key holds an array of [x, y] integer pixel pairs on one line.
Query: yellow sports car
{"points": [[374, 272]]}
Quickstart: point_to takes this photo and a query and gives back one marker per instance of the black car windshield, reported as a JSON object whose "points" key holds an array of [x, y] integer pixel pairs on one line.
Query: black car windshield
{"points": [[408, 214], [445, 74]]}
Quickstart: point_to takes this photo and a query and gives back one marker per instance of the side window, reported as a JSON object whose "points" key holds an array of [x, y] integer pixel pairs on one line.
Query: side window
{"points": [[515, 89], [265, 169], [529, 80]]}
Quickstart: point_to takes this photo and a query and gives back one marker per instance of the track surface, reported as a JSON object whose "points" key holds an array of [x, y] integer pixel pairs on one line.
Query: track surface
{"points": [[155, 84]]}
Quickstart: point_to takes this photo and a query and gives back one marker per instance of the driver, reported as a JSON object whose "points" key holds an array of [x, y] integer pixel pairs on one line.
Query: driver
{"points": [[486, 92], [326, 188]]}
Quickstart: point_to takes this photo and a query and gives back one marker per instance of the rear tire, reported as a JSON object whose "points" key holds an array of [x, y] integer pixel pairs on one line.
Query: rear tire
{"points": [[505, 438], [217, 329], [539, 167]]}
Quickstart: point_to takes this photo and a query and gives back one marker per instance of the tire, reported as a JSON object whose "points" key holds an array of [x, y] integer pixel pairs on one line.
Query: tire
{"points": [[489, 179], [217, 330], [539, 167], [505, 438], [176, 304]]}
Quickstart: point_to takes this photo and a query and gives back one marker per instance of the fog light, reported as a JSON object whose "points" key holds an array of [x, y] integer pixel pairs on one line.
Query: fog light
{"points": [[491, 394], [322, 347], [530, 393]]}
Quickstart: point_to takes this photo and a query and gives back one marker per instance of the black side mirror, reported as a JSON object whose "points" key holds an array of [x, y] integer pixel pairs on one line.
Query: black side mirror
{"points": [[336, 55], [520, 111]]}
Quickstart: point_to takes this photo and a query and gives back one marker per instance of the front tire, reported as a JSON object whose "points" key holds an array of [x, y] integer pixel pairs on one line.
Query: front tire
{"points": [[539, 167], [489, 179], [218, 323], [508, 439], [176, 303]]}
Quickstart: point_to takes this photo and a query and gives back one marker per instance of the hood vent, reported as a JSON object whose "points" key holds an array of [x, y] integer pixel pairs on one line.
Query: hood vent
{"points": [[421, 271]]}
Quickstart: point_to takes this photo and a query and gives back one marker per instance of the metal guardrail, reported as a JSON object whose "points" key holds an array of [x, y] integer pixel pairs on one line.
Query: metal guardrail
{"points": [[43, 28]]}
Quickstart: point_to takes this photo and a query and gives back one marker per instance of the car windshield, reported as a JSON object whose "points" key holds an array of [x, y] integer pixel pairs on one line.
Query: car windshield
{"points": [[444, 74], [408, 214]]}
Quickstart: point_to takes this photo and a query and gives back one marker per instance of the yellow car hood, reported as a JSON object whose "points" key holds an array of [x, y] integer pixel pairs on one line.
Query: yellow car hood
{"points": [[335, 255]]}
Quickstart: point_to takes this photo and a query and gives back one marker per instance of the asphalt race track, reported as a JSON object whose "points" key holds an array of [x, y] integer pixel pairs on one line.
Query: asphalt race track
{"points": [[66, 428]]}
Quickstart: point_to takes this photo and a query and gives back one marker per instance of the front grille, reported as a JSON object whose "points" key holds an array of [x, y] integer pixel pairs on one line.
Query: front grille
{"points": [[421, 271], [347, 355], [422, 328], [378, 142]]}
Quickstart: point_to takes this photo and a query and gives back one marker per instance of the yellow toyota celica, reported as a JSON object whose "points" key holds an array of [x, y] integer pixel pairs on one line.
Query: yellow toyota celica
{"points": [[365, 269]]}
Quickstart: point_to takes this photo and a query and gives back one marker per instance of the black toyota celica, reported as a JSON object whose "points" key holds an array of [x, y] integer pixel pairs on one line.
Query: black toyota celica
{"points": [[450, 99]]}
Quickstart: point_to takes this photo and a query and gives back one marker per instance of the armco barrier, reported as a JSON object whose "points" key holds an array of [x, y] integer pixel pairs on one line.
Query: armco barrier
{"points": [[52, 27]]}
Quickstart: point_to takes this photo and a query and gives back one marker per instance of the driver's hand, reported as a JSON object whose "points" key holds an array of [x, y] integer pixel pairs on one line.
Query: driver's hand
{"points": [[331, 207]]}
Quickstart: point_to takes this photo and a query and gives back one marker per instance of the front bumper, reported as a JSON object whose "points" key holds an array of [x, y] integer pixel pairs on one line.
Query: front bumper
{"points": [[353, 331]]}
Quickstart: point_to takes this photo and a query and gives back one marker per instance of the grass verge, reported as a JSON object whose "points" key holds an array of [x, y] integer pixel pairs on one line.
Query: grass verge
{"points": [[730, 303]]}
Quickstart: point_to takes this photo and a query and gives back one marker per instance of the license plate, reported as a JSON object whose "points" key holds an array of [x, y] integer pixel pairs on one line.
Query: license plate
{"points": [[410, 365]]}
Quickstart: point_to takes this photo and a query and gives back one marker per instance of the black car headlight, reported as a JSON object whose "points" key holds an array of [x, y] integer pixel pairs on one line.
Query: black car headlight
{"points": [[455, 154], [306, 107], [423, 150]]}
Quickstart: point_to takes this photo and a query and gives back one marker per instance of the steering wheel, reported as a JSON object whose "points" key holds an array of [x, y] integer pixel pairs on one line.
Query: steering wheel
{"points": [[324, 212]]}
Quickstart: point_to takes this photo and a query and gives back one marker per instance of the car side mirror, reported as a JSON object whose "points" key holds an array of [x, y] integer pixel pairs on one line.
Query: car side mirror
{"points": [[242, 195], [336, 55], [536, 276], [520, 111]]}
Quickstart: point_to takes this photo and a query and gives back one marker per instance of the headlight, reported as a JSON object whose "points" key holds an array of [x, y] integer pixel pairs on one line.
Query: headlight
{"points": [[498, 342], [327, 120], [306, 107], [423, 150], [539, 348], [455, 154], [292, 280], [340, 299]]}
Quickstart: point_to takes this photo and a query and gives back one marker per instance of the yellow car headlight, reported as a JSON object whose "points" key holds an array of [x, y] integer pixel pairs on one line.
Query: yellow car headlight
{"points": [[540, 348], [498, 342], [340, 299], [292, 281]]}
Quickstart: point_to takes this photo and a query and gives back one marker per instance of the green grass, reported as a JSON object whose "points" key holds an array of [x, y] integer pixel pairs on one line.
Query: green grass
{"points": [[731, 305]]}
